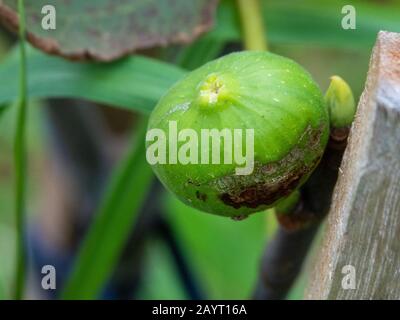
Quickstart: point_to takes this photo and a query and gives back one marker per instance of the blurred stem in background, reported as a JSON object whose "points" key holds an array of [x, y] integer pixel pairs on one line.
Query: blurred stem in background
{"points": [[20, 162], [253, 31]]}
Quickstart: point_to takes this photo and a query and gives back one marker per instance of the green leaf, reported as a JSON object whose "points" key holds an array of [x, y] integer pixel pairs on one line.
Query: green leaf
{"points": [[135, 83], [117, 215], [20, 162], [108, 29]]}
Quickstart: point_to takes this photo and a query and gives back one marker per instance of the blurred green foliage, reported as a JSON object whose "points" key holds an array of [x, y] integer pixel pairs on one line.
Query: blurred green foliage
{"points": [[160, 281], [314, 22], [224, 253]]}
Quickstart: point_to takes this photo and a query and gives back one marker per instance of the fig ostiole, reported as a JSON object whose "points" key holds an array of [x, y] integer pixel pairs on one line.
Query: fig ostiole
{"points": [[269, 117]]}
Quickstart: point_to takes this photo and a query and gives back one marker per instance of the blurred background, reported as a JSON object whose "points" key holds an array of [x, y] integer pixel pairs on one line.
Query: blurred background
{"points": [[174, 251]]}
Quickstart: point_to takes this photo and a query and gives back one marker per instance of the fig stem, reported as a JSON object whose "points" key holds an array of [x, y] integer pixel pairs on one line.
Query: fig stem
{"points": [[285, 254], [282, 262], [253, 27]]}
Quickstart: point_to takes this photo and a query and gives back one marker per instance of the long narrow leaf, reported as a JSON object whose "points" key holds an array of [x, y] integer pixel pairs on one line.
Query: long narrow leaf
{"points": [[133, 83], [20, 162]]}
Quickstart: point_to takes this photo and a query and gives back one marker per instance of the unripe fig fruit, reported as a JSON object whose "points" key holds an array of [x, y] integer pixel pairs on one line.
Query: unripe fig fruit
{"points": [[259, 92]]}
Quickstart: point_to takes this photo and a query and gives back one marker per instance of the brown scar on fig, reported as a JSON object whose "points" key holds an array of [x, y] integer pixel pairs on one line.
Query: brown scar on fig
{"points": [[265, 193]]}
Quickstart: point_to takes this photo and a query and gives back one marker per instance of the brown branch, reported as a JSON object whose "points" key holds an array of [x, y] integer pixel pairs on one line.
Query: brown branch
{"points": [[284, 256]]}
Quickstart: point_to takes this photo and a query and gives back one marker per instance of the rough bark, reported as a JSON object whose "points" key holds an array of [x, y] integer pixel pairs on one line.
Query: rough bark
{"points": [[363, 228]]}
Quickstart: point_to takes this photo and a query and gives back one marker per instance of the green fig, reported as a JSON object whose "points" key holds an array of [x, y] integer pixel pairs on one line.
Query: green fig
{"points": [[269, 118]]}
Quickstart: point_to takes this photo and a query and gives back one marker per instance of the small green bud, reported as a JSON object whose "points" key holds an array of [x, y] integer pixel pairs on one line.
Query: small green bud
{"points": [[340, 102]]}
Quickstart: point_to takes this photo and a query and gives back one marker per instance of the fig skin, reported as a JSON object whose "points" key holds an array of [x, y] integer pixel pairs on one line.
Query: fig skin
{"points": [[246, 90]]}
